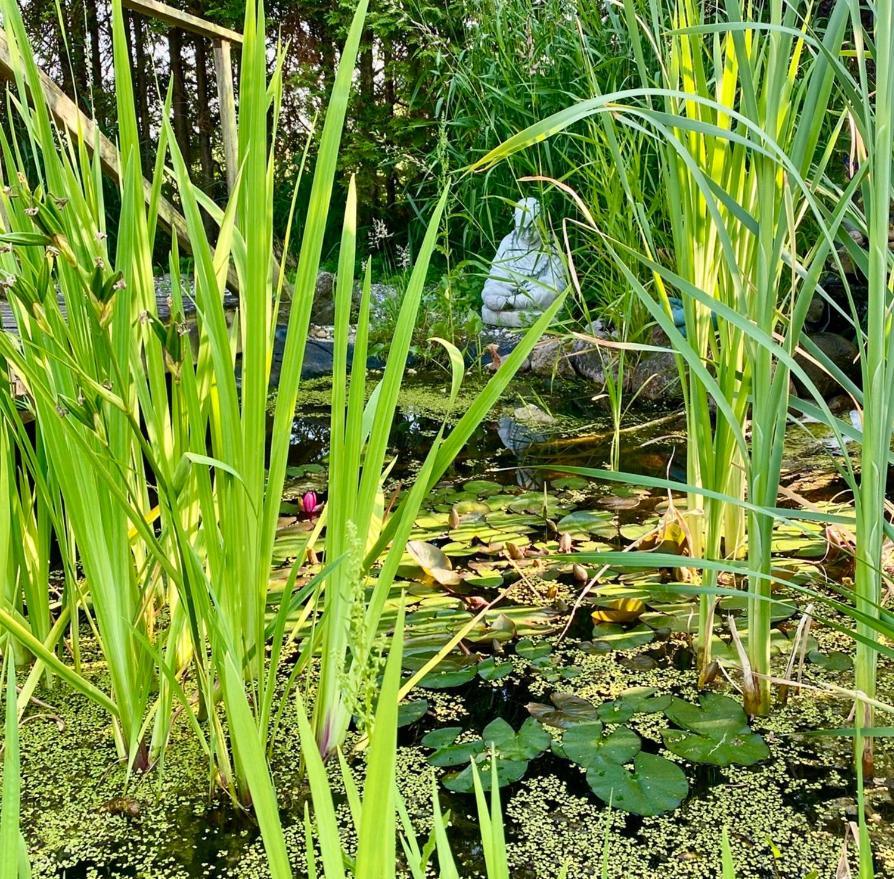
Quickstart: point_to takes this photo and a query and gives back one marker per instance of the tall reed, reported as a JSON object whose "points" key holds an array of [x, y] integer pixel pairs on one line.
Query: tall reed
{"points": [[736, 114], [150, 459], [872, 111], [14, 863]]}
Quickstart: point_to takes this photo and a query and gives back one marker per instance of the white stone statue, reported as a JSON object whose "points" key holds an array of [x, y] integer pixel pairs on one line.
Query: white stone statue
{"points": [[526, 274]]}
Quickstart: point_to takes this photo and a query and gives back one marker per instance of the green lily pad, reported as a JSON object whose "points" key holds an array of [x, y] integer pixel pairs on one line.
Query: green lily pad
{"points": [[566, 711], [618, 637], [410, 712], [532, 502], [586, 522], [508, 772], [492, 669], [802, 540], [586, 744], [512, 750], [636, 530], [482, 487], [715, 715], [451, 671], [681, 618], [536, 652], [636, 700], [745, 748], [833, 661], [449, 752], [485, 579], [655, 784], [442, 737], [469, 511], [716, 731], [570, 483], [529, 742]]}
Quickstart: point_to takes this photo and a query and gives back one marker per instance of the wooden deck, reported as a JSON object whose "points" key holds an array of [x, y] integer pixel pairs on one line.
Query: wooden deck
{"points": [[231, 301], [8, 321]]}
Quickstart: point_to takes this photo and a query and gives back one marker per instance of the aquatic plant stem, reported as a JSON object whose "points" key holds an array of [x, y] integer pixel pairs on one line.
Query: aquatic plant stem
{"points": [[878, 353]]}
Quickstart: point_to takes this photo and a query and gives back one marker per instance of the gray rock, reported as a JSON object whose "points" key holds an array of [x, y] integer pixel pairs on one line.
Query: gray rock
{"points": [[532, 414], [656, 378], [550, 358], [588, 359], [841, 351], [323, 311]]}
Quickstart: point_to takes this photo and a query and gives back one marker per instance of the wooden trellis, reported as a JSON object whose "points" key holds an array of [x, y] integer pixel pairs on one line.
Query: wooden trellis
{"points": [[222, 40], [70, 117]]}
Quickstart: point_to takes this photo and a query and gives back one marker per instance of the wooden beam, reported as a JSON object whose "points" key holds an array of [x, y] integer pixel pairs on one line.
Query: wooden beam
{"points": [[223, 69], [79, 125], [184, 20]]}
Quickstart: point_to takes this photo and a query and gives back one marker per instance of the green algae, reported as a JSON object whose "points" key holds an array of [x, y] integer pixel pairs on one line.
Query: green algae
{"points": [[786, 815]]}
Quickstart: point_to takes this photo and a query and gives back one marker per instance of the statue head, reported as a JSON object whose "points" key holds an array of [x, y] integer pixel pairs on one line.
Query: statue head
{"points": [[527, 210]]}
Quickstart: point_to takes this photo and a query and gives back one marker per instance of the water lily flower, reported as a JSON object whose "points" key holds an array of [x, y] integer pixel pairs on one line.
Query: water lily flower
{"points": [[310, 504]]}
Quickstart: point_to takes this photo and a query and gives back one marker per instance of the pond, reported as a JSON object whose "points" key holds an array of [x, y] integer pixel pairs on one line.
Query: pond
{"points": [[565, 691]]}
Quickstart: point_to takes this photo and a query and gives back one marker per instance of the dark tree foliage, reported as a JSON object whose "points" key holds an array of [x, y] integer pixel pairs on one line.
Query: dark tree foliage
{"points": [[389, 124]]}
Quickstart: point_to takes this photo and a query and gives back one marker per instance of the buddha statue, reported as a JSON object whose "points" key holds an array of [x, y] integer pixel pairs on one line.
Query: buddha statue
{"points": [[526, 274]]}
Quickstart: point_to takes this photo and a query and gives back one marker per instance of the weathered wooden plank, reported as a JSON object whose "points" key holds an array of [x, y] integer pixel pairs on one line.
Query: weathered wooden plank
{"points": [[162, 305], [184, 20], [79, 125]]}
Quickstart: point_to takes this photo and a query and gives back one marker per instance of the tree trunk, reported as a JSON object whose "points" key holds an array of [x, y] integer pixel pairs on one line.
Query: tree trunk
{"points": [[368, 97], [141, 85], [77, 45], [203, 114], [65, 80], [96, 80], [390, 100]]}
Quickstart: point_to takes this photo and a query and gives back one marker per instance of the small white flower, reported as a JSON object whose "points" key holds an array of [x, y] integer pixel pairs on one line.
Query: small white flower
{"points": [[378, 234]]}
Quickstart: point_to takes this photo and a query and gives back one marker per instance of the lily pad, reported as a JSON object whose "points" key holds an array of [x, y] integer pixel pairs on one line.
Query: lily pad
{"points": [[492, 669], [566, 711], [410, 712], [636, 530], [715, 715], [618, 637], [449, 752], [512, 750], [744, 749], [716, 731], [467, 511], [653, 786], [586, 745], [570, 483], [536, 652], [452, 671], [486, 579], [636, 700], [508, 772], [482, 487], [833, 661], [434, 562], [616, 607], [586, 522]]}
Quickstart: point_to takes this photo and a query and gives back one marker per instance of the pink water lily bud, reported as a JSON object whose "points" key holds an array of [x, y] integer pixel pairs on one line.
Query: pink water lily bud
{"points": [[310, 504]]}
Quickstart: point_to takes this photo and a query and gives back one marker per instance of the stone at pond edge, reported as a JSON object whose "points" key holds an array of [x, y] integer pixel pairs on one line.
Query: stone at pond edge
{"points": [[840, 351], [656, 378], [323, 311], [550, 357]]}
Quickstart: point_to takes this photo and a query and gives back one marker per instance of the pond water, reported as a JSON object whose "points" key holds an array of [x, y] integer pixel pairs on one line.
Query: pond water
{"points": [[497, 517]]}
